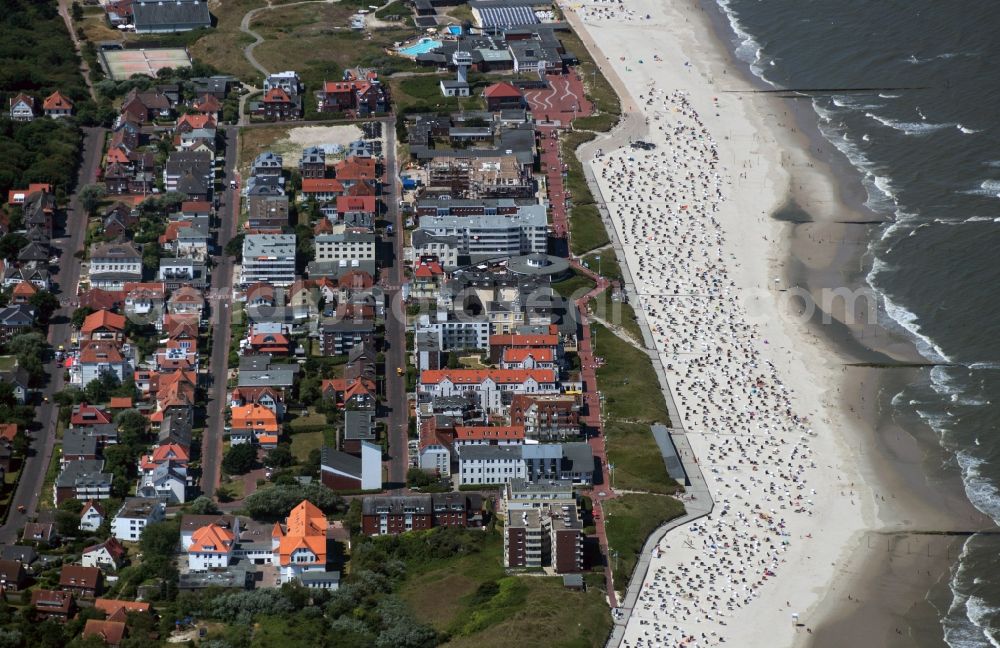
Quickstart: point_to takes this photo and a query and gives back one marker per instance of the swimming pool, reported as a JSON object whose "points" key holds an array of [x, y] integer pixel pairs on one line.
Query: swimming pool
{"points": [[422, 46], [455, 30]]}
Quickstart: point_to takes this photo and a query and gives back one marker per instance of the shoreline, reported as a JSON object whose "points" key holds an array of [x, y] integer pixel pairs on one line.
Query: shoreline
{"points": [[802, 255]]}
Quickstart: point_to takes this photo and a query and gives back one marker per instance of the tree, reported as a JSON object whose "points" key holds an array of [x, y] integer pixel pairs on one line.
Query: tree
{"points": [[280, 457], [151, 256], [277, 501], [79, 315], [240, 459], [11, 245], [417, 478], [132, 427], [160, 539], [203, 505], [45, 304], [91, 195], [234, 247], [76, 11]]}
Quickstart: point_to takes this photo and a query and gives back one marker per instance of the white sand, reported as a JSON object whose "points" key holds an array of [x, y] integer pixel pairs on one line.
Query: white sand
{"points": [[302, 137], [753, 386]]}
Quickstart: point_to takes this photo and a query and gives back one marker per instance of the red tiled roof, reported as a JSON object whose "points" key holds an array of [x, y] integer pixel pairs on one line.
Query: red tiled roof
{"points": [[103, 319], [488, 432], [57, 101], [502, 90], [478, 376], [111, 632], [277, 95], [322, 185], [365, 204], [518, 340], [521, 354]]}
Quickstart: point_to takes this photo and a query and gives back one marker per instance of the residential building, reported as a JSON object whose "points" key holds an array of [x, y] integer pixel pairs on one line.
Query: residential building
{"points": [[22, 108], [392, 515], [359, 426], [191, 523], [99, 358], [167, 481], [92, 516], [52, 604], [269, 258], [491, 386], [57, 106], [338, 336], [15, 320], [488, 236], [82, 582], [269, 213], [499, 435], [112, 265], [13, 577], [312, 163], [551, 536], [547, 461], [40, 532], [548, 417], [455, 331], [342, 471], [436, 458], [110, 632], [109, 554], [349, 245], [254, 423], [83, 480], [211, 547], [133, 516], [288, 81], [487, 464], [300, 545], [503, 95]]}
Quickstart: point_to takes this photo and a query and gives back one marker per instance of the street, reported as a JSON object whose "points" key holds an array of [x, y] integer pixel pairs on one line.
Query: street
{"points": [[220, 303], [66, 277], [395, 323]]}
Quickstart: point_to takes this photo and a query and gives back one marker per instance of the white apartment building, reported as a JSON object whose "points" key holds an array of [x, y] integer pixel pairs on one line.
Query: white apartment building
{"points": [[491, 235], [455, 332], [269, 258], [485, 464], [346, 246], [488, 384], [134, 515]]}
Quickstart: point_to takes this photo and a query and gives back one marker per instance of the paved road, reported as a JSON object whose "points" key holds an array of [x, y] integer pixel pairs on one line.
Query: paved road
{"points": [[395, 324], [67, 277], [220, 301]]}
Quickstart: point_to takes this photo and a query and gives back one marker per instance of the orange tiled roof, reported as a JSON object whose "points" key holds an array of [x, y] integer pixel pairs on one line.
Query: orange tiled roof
{"points": [[110, 606], [305, 528], [545, 339], [211, 539], [57, 101], [103, 319], [254, 417], [111, 632], [520, 354]]}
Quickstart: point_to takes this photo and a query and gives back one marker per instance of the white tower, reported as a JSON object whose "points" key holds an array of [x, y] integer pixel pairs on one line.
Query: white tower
{"points": [[462, 61]]}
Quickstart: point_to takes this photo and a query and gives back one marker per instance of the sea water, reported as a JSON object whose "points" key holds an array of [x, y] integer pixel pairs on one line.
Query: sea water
{"points": [[925, 140]]}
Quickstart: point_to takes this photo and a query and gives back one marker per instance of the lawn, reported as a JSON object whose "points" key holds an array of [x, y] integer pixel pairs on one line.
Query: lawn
{"points": [[606, 262], [576, 286], [311, 422], [598, 88], [397, 8], [628, 382], [305, 442], [636, 457], [629, 520], [619, 314], [586, 227], [8, 362], [223, 46], [472, 600]]}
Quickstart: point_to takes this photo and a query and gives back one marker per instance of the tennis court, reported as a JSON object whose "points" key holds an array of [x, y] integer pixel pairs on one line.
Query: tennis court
{"points": [[122, 64]]}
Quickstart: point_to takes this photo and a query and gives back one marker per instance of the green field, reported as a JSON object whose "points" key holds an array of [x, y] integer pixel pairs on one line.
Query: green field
{"points": [[629, 520], [305, 442], [476, 604], [627, 380], [636, 458], [576, 286]]}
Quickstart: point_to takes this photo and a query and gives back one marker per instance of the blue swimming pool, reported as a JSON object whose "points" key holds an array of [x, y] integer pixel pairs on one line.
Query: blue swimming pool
{"points": [[422, 46], [455, 30]]}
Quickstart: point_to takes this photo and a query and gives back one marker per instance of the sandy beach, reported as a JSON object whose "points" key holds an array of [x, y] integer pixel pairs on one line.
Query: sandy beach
{"points": [[820, 526]]}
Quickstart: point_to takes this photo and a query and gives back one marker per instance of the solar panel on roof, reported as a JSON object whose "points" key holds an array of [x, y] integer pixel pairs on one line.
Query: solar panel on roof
{"points": [[506, 16]]}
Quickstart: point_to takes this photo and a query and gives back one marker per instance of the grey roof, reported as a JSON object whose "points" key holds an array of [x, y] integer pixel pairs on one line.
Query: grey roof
{"points": [[115, 251], [139, 507], [272, 377], [167, 471], [531, 215], [334, 269], [19, 315], [580, 456], [24, 554], [167, 13], [180, 161], [454, 84], [340, 461], [359, 424], [347, 237], [397, 505], [281, 245], [487, 452], [78, 442], [542, 451], [191, 522], [255, 362], [86, 472], [176, 428], [319, 577], [348, 326], [233, 577]]}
